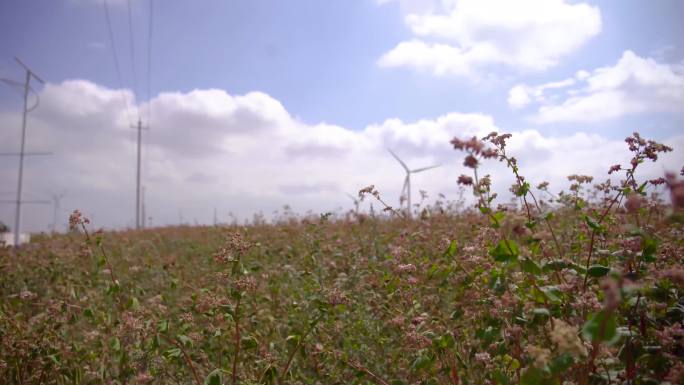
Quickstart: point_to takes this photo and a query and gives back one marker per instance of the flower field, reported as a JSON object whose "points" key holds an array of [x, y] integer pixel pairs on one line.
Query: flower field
{"points": [[583, 287]]}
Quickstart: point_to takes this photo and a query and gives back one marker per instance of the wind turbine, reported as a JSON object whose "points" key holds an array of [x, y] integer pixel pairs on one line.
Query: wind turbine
{"points": [[56, 209], [407, 181]]}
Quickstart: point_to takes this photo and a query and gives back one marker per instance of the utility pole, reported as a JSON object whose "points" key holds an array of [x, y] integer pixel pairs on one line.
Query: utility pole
{"points": [[22, 153], [215, 217], [143, 207], [139, 127]]}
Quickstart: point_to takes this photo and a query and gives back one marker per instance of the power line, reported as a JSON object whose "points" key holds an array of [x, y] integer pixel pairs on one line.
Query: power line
{"points": [[131, 37], [149, 61], [116, 61], [139, 125]]}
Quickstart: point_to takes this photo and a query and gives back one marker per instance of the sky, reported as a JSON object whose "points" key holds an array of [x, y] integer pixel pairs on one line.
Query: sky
{"points": [[253, 105]]}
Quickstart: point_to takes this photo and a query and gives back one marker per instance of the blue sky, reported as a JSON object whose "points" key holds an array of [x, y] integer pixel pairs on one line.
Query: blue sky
{"points": [[341, 64], [317, 57]]}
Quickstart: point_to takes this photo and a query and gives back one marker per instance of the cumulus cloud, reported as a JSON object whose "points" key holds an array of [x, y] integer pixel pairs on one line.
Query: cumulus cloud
{"points": [[465, 37], [522, 95], [209, 149], [633, 85], [519, 96]]}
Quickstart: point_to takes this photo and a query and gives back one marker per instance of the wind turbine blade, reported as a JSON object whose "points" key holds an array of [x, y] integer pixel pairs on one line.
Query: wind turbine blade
{"points": [[399, 160], [426, 168]]}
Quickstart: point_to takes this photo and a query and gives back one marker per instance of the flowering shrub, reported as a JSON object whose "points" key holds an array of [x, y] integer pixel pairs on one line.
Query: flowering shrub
{"points": [[583, 287]]}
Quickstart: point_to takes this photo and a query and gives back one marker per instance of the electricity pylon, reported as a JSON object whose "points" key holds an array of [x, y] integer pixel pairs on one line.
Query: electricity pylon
{"points": [[22, 153]]}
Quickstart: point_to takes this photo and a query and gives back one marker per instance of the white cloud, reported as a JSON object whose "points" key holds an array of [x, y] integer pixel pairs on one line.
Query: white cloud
{"points": [[464, 37], [633, 85], [522, 95], [519, 96], [246, 153]]}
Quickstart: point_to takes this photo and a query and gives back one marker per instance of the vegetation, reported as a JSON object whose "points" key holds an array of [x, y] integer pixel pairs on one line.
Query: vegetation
{"points": [[584, 287]]}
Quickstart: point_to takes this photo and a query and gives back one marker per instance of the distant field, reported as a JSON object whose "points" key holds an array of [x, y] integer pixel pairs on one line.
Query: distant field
{"points": [[581, 288]]}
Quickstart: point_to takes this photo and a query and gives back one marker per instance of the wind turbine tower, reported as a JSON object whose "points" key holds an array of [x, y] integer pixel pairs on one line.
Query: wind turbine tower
{"points": [[406, 190]]}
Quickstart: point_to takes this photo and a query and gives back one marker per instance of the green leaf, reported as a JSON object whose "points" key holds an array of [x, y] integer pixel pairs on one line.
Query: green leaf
{"points": [[88, 312], [505, 250], [641, 188], [496, 218], [500, 378], [533, 376], [648, 249], [443, 342], [598, 271], [593, 224], [293, 339], [553, 293], [558, 265], [249, 342], [422, 362], [529, 266], [115, 344], [270, 375], [541, 312], [113, 288], [214, 378], [134, 303], [524, 188], [54, 359], [163, 326], [650, 246], [156, 342], [451, 250], [185, 340], [561, 363], [555, 265], [601, 327], [173, 353]]}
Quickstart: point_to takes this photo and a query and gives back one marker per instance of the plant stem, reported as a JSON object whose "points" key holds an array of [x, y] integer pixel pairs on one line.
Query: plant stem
{"points": [[299, 343], [186, 357], [237, 339], [361, 368], [104, 254]]}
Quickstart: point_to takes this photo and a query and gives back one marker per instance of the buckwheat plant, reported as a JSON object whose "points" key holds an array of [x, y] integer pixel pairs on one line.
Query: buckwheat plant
{"points": [[580, 287], [592, 310]]}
